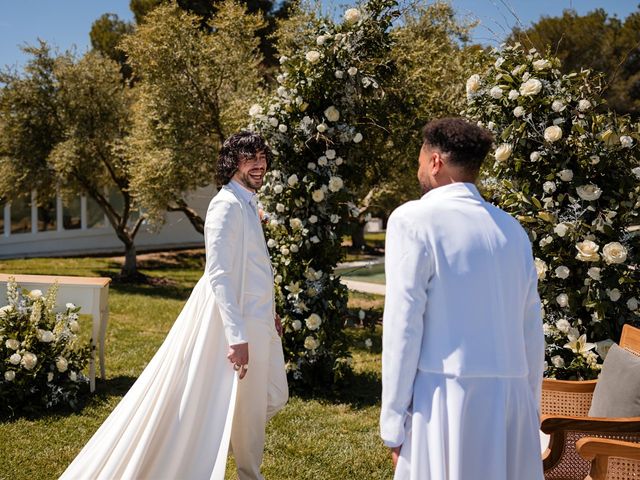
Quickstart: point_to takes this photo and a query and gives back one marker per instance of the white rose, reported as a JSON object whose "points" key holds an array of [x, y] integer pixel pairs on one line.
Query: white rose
{"points": [[294, 248], [317, 195], [320, 40], [632, 303], [562, 272], [552, 133], [311, 166], [314, 239], [566, 175], [473, 84], [496, 92], [282, 128], [9, 375], [563, 325], [513, 94], [321, 128], [541, 268], [530, 87], [332, 114], [322, 161], [330, 154], [557, 106], [584, 105], [273, 122], [626, 141], [614, 294], [561, 229], [296, 325], [594, 272], [352, 15], [310, 343], [518, 70], [614, 252], [45, 336], [50, 377], [29, 361], [546, 241], [295, 223], [312, 56], [313, 219], [541, 64], [595, 159], [549, 187], [589, 192], [15, 359], [535, 156], [357, 138], [518, 112], [279, 208], [255, 110], [284, 250], [313, 322], [563, 300], [339, 74], [272, 243], [12, 344], [73, 376], [636, 172], [335, 218], [352, 71], [503, 152], [35, 294], [278, 279], [339, 161], [292, 180], [278, 189], [587, 251], [335, 184], [368, 343], [62, 364], [557, 361]]}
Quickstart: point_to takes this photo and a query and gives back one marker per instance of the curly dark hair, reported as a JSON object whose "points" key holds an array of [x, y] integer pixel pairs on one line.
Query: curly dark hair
{"points": [[238, 146], [466, 144]]}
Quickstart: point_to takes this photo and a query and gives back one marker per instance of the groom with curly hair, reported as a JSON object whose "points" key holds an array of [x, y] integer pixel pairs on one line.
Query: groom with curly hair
{"points": [[463, 348]]}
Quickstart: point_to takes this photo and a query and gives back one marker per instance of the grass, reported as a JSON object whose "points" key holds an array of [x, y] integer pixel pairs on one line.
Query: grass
{"points": [[312, 438]]}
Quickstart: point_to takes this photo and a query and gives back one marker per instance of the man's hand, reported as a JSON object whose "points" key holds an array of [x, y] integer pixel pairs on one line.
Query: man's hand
{"points": [[278, 325], [239, 356], [395, 454]]}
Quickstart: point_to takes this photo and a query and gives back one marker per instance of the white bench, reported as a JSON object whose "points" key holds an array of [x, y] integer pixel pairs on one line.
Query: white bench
{"points": [[89, 293]]}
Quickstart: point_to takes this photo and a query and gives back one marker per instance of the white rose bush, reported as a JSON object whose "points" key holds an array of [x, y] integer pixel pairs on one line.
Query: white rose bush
{"points": [[330, 78], [565, 166], [42, 355]]}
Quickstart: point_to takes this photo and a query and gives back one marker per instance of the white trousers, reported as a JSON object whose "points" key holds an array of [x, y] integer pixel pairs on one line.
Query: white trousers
{"points": [[471, 428], [261, 394]]}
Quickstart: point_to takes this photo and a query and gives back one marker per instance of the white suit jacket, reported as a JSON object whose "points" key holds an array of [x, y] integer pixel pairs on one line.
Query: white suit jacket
{"points": [[232, 233], [461, 298]]}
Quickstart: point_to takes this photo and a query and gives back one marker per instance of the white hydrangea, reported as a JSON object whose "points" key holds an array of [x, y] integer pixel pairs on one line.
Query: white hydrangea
{"points": [[312, 56]]}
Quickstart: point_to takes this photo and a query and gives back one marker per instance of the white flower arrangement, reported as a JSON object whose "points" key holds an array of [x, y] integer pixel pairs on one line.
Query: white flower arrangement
{"points": [[571, 177], [39, 346]]}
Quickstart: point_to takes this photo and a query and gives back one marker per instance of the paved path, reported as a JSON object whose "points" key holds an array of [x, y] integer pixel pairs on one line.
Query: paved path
{"points": [[365, 287]]}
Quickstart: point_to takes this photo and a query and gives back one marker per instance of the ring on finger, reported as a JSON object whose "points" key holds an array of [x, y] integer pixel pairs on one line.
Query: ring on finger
{"points": [[236, 366]]}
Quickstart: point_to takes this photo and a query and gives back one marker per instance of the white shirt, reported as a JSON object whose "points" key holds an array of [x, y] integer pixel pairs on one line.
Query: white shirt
{"points": [[461, 297]]}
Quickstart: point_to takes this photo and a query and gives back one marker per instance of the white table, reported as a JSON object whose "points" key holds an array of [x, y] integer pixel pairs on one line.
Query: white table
{"points": [[89, 293]]}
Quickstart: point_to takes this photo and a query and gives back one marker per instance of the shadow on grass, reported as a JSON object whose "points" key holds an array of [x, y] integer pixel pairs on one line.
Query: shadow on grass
{"points": [[359, 390], [116, 386]]}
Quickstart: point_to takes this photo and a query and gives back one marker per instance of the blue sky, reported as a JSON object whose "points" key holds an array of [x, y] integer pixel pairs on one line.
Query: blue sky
{"points": [[65, 23]]}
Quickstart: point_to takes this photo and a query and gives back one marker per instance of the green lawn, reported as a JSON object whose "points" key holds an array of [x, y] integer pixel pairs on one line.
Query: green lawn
{"points": [[318, 438]]}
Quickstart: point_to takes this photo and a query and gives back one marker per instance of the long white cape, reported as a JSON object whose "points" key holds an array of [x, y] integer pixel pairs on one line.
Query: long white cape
{"points": [[175, 421]]}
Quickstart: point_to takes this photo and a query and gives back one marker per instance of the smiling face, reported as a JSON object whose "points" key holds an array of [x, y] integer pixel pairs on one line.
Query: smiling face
{"points": [[251, 171]]}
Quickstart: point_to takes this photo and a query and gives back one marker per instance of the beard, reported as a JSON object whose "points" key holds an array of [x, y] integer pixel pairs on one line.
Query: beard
{"points": [[250, 182], [425, 185]]}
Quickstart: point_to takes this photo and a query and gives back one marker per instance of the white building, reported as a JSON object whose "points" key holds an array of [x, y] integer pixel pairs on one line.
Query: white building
{"points": [[79, 226]]}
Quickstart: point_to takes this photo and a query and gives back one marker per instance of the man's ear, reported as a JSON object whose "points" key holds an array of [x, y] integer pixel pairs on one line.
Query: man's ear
{"points": [[436, 162]]}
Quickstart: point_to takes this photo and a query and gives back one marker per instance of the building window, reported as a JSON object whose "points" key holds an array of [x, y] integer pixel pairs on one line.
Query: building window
{"points": [[95, 214], [71, 213], [47, 215], [21, 214]]}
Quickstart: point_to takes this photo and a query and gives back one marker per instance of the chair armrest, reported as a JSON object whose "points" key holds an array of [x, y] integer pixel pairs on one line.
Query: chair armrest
{"points": [[569, 386], [598, 450], [589, 448], [556, 423]]}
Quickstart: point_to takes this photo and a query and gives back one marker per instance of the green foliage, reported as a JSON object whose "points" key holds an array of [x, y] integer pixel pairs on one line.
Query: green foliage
{"points": [[42, 355], [595, 41], [331, 79], [193, 91], [106, 33], [569, 170]]}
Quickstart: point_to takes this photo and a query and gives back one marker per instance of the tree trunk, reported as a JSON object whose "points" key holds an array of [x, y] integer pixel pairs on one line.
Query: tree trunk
{"points": [[130, 267], [357, 236]]}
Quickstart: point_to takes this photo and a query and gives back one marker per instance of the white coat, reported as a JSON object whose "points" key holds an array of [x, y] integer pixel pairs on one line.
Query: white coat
{"points": [[175, 421], [463, 347]]}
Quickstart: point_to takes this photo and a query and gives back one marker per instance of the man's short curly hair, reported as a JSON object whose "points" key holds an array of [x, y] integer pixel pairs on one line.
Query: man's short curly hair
{"points": [[466, 144], [238, 146]]}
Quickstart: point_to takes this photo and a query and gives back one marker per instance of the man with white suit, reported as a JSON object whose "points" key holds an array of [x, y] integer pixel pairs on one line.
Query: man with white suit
{"points": [[239, 270], [463, 347]]}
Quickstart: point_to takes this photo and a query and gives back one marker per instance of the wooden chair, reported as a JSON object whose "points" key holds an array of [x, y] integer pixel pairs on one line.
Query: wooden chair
{"points": [[565, 407]]}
